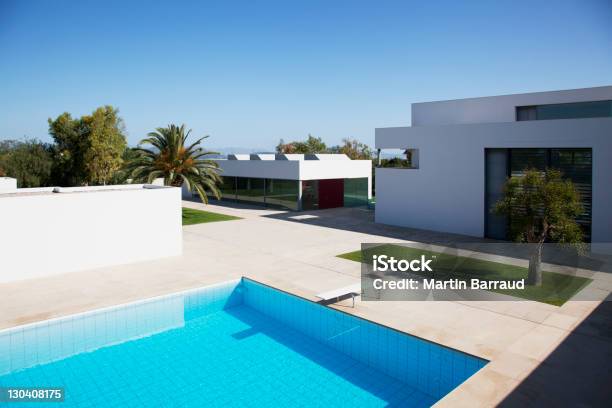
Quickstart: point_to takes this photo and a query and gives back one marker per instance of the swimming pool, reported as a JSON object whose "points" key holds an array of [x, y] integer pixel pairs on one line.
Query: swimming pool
{"points": [[236, 343]]}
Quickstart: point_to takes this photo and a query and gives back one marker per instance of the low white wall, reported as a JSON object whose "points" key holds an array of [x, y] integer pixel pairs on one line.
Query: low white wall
{"points": [[8, 183], [447, 191], [45, 233]]}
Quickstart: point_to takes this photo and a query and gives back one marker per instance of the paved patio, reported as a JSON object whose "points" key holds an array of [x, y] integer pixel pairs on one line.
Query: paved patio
{"points": [[297, 253]]}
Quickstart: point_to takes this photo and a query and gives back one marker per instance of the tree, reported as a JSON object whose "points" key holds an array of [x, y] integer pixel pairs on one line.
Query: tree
{"points": [[309, 146], [87, 149], [542, 206], [177, 162], [107, 143], [28, 161], [283, 147], [70, 137], [354, 149], [122, 176]]}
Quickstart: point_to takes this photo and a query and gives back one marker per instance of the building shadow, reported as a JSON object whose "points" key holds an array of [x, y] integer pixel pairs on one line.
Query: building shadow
{"points": [[361, 220], [577, 373]]}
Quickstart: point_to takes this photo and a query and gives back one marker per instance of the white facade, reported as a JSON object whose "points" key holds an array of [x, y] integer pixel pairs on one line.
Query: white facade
{"points": [[8, 184], [46, 232], [446, 192], [296, 166]]}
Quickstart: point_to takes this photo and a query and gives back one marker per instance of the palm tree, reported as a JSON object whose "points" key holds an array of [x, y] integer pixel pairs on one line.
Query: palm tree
{"points": [[177, 163]]}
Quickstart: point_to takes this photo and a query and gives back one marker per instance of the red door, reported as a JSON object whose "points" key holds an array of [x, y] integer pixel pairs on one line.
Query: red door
{"points": [[331, 193]]}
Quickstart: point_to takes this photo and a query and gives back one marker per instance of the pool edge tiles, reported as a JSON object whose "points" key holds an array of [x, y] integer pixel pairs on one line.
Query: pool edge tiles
{"points": [[54, 339], [425, 365]]}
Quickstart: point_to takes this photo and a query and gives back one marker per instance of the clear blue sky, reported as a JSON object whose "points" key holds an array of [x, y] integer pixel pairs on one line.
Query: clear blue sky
{"points": [[249, 73]]}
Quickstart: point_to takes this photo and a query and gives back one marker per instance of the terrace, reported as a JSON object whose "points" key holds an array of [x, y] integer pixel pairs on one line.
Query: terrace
{"points": [[299, 255]]}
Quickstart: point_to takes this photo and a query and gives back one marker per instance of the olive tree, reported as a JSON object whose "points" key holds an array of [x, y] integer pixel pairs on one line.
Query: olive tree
{"points": [[542, 206]]}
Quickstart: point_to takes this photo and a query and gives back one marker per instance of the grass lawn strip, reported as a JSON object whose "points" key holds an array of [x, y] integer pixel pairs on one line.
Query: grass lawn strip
{"points": [[191, 216]]}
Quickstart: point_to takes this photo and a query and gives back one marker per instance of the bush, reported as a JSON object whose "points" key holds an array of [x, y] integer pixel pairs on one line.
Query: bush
{"points": [[29, 161]]}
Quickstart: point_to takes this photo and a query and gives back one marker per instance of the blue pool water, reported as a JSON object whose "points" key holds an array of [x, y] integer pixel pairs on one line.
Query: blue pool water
{"points": [[239, 343]]}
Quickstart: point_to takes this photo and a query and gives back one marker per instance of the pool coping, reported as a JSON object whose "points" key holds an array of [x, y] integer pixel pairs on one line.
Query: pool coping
{"points": [[105, 309]]}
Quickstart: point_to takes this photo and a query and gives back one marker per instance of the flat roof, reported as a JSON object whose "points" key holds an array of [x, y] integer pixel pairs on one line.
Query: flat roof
{"points": [[287, 156], [604, 89], [76, 190]]}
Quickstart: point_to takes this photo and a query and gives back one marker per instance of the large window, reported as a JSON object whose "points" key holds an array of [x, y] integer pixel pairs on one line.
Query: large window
{"points": [[269, 192], [250, 190], [355, 192], [593, 109], [282, 193], [574, 164], [228, 188]]}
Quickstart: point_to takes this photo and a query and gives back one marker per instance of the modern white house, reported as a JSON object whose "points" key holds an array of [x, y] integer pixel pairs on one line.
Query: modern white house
{"points": [[462, 151], [296, 181]]}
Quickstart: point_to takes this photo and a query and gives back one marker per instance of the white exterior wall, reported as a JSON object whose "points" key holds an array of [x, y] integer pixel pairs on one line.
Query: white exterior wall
{"points": [[282, 169], [52, 233], [447, 192], [334, 169], [497, 108], [8, 183]]}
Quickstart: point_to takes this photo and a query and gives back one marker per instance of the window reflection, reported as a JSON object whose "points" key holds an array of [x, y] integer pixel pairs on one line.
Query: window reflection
{"points": [[576, 110]]}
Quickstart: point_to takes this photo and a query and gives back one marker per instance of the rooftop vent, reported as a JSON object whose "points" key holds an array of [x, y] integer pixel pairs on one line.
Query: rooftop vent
{"points": [[262, 156], [326, 156], [283, 156], [238, 157]]}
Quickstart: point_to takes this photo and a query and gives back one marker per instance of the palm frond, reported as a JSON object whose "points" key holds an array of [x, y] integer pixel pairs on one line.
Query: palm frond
{"points": [[165, 153]]}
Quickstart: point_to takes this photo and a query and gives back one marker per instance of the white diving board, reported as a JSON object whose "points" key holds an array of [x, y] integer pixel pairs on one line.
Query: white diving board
{"points": [[353, 290]]}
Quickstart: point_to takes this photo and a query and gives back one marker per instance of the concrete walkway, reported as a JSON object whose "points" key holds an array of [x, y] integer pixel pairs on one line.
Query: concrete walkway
{"points": [[297, 253]]}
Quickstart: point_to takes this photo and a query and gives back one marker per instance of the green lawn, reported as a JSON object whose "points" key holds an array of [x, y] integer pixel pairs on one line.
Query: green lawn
{"points": [[556, 288], [191, 216]]}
